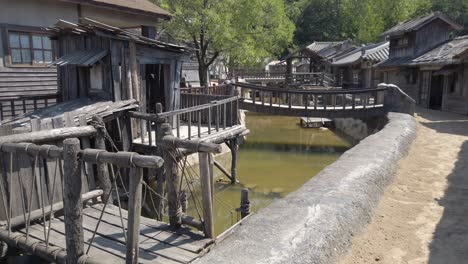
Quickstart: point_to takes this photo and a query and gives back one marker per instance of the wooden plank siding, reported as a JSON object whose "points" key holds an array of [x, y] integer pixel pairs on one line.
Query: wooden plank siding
{"points": [[19, 83]]}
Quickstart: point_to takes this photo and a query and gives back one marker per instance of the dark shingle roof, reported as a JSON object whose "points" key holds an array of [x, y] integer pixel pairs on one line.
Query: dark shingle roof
{"points": [[374, 52], [444, 54], [417, 23], [138, 7]]}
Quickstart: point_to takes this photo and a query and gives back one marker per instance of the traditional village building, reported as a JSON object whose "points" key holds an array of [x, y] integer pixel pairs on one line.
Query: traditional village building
{"points": [[26, 81], [354, 69], [313, 57], [427, 63]]}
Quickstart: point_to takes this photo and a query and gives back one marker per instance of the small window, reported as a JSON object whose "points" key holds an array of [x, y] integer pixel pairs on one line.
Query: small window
{"points": [[30, 48]]}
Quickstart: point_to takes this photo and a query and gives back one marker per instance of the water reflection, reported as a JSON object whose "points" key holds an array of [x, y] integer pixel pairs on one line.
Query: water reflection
{"points": [[276, 158]]}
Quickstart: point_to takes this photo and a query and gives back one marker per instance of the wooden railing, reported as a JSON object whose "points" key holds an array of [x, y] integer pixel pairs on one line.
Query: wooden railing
{"points": [[65, 168], [311, 78], [315, 99], [212, 90], [11, 107], [199, 115]]}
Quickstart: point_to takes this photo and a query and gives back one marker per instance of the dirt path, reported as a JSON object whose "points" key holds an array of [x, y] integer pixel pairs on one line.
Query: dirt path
{"points": [[423, 216]]}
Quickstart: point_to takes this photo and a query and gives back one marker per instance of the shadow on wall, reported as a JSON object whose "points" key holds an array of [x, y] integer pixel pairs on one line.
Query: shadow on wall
{"points": [[450, 239]]}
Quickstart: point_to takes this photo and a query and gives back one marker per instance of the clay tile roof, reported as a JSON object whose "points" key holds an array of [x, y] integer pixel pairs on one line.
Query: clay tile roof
{"points": [[140, 7], [417, 23]]}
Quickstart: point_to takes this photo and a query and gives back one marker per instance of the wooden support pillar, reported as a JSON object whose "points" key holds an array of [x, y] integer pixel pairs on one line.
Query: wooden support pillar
{"points": [[72, 200], [234, 145], [103, 179], [172, 180], [245, 203], [206, 183], [134, 214], [160, 174]]}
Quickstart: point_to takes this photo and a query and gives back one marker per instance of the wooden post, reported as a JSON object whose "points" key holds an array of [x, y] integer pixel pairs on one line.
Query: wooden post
{"points": [[172, 180], [206, 183], [160, 175], [134, 214], [245, 203], [72, 200], [234, 151], [103, 180], [289, 71]]}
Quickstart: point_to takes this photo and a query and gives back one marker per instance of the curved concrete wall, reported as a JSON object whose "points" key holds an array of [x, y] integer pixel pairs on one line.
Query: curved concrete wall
{"points": [[316, 223]]}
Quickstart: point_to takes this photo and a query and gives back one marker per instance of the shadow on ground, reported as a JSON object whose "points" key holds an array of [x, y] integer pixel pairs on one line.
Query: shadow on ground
{"points": [[450, 239], [443, 122]]}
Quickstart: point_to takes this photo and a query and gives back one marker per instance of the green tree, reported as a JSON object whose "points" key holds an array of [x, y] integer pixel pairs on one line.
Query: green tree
{"points": [[245, 31]]}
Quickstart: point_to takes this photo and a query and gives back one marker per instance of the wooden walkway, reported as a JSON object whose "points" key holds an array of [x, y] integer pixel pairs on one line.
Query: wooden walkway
{"points": [[326, 103], [159, 243]]}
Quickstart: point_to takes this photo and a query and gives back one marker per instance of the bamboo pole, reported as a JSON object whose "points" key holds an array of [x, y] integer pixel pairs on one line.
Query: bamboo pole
{"points": [[72, 200]]}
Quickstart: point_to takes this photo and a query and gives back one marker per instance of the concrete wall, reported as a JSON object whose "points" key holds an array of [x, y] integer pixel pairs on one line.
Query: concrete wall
{"points": [[316, 223]]}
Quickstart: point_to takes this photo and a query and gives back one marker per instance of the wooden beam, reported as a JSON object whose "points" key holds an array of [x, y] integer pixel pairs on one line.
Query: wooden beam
{"points": [[50, 135], [171, 141]]}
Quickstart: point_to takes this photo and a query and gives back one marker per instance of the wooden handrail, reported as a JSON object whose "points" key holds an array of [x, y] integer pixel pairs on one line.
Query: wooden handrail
{"points": [[197, 108], [312, 92]]}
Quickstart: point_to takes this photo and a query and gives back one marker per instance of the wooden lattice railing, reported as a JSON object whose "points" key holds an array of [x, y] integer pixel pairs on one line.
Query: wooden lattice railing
{"points": [[11, 107]]}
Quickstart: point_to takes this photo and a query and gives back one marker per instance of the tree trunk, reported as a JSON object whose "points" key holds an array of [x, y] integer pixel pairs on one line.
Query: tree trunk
{"points": [[203, 74]]}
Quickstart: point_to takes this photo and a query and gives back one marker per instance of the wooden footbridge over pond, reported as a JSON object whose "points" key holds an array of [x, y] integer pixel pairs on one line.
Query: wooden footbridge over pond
{"points": [[315, 102], [92, 182]]}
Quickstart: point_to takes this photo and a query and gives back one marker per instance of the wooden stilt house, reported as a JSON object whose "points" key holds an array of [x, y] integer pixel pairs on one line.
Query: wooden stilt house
{"points": [[99, 61]]}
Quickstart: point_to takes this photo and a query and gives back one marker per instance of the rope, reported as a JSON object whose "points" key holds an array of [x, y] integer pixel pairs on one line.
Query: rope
{"points": [[28, 222], [114, 182], [99, 222], [10, 193], [4, 195], [51, 201]]}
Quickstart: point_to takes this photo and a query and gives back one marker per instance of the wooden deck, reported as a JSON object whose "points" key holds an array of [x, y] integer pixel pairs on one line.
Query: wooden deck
{"points": [[158, 242]]}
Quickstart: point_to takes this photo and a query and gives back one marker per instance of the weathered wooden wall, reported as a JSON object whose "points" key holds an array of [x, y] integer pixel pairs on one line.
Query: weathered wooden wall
{"points": [[123, 76]]}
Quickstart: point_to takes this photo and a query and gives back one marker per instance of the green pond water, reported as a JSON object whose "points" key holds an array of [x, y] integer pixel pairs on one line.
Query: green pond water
{"points": [[277, 158]]}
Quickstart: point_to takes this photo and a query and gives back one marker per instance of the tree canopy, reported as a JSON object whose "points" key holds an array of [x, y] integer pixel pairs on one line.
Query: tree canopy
{"points": [[244, 31], [364, 20]]}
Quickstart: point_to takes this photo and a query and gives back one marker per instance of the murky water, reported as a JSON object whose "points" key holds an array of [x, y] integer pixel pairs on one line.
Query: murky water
{"points": [[276, 158]]}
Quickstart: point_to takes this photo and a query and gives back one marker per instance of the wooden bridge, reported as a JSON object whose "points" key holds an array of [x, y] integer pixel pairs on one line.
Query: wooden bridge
{"points": [[326, 103]]}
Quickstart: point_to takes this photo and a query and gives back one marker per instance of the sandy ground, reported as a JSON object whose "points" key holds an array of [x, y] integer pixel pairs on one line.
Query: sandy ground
{"points": [[423, 216]]}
